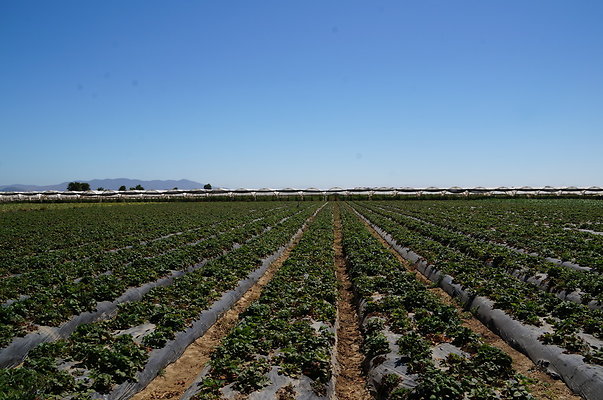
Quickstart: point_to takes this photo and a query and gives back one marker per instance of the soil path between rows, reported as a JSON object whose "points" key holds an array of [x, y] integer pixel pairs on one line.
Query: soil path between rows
{"points": [[543, 386], [179, 375], [350, 382]]}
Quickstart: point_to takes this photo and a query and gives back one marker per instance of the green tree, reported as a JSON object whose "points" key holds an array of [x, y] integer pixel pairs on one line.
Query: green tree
{"points": [[78, 186], [122, 188], [139, 187], [100, 189], [207, 186]]}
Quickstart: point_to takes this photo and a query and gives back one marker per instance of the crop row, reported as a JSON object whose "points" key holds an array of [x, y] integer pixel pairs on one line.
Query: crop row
{"points": [[71, 228], [100, 355], [283, 345], [571, 326], [519, 233], [550, 228], [45, 277], [53, 305], [18, 348], [28, 235], [415, 345], [553, 277]]}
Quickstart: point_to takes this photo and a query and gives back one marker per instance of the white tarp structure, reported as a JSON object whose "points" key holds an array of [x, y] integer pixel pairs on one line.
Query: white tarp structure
{"points": [[369, 192]]}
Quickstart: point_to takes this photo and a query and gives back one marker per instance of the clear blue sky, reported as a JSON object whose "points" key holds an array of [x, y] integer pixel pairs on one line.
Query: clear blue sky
{"points": [[303, 93]]}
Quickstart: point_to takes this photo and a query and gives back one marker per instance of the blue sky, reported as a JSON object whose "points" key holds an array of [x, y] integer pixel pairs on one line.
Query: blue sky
{"points": [[303, 93]]}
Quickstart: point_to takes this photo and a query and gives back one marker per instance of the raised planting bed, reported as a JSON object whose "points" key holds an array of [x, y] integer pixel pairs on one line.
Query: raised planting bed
{"points": [[565, 282], [55, 313], [116, 357], [560, 335], [415, 345], [284, 343], [550, 228], [50, 236]]}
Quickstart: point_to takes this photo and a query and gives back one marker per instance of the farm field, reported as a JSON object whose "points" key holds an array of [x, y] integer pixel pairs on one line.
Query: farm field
{"points": [[391, 299]]}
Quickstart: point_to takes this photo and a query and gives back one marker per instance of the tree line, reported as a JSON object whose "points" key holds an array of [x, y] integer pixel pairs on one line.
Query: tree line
{"points": [[84, 186]]}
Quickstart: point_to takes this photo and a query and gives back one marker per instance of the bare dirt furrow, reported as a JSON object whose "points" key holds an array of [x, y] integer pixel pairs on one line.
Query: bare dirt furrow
{"points": [[541, 385], [179, 375], [350, 382]]}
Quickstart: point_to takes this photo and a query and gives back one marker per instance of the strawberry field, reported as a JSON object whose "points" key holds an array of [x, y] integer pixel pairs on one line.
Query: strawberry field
{"points": [[449, 299]]}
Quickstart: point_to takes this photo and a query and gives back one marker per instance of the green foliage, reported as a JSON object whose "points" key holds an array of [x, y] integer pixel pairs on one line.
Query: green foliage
{"points": [[21, 384], [595, 356], [491, 363], [405, 306], [252, 376], [287, 327], [98, 351], [470, 253], [435, 384], [78, 186], [375, 344]]}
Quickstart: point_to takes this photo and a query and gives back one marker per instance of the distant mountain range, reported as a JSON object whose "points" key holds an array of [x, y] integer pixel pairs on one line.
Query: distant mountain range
{"points": [[110, 184]]}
